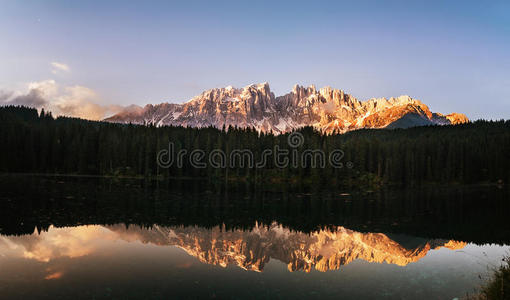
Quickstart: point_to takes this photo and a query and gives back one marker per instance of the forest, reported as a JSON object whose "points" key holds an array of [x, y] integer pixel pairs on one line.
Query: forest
{"points": [[36, 142]]}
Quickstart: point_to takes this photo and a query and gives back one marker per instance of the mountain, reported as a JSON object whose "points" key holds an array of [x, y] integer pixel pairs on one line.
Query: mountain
{"points": [[252, 249], [327, 109]]}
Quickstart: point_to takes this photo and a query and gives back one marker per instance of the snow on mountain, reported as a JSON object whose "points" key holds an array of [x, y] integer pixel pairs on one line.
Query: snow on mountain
{"points": [[327, 109]]}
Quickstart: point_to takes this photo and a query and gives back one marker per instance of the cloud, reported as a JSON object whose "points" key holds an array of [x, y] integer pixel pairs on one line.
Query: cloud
{"points": [[48, 87], [59, 67], [79, 101], [57, 243], [5, 96], [34, 98], [73, 101], [55, 275]]}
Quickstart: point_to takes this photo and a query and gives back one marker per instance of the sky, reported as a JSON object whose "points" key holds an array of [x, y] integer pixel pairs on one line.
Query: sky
{"points": [[88, 58]]}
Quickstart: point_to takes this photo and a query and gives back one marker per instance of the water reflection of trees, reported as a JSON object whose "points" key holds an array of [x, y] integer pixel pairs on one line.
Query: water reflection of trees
{"points": [[474, 214]]}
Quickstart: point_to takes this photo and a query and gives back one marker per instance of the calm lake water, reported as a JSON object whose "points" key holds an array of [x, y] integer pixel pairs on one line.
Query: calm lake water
{"points": [[89, 238]]}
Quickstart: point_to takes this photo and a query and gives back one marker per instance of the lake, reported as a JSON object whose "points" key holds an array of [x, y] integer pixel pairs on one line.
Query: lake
{"points": [[99, 238]]}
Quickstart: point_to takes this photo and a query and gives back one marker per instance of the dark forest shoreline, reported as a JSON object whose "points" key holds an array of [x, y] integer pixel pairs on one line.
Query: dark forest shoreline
{"points": [[473, 153]]}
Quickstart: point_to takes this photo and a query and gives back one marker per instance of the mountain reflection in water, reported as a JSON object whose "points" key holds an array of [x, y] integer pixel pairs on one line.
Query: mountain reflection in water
{"points": [[248, 249], [323, 250], [97, 238]]}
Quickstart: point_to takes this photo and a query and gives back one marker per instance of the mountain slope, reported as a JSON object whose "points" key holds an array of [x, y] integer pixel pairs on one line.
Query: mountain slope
{"points": [[329, 110]]}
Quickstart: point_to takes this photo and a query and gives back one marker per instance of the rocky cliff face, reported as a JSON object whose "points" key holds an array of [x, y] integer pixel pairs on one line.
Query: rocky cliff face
{"points": [[327, 109], [251, 250]]}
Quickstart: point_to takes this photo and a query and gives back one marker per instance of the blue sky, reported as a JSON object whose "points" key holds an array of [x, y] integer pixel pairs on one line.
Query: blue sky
{"points": [[452, 55]]}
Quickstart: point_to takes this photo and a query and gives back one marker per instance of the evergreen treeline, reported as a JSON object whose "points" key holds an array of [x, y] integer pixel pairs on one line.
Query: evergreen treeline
{"points": [[38, 143]]}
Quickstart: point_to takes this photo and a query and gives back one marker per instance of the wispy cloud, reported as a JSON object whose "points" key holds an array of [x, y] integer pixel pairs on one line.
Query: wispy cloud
{"points": [[57, 66], [74, 101]]}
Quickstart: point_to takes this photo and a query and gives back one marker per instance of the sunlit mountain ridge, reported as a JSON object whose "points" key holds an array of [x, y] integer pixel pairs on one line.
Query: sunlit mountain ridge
{"points": [[255, 106]]}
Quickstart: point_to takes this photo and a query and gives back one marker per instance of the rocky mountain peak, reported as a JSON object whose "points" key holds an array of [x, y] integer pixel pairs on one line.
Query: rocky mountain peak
{"points": [[327, 109]]}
